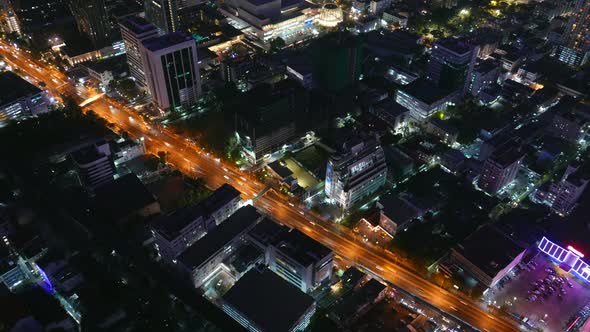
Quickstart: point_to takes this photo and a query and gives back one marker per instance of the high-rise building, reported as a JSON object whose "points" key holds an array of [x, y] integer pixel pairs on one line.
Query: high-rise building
{"points": [[134, 30], [500, 169], [563, 195], [36, 15], [576, 39], [451, 64], [19, 98], [92, 20], [336, 61], [358, 171], [171, 70], [166, 14]]}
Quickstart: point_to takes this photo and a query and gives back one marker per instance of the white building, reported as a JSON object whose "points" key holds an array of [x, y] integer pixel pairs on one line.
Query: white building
{"points": [[134, 30], [357, 172], [171, 70], [94, 165]]}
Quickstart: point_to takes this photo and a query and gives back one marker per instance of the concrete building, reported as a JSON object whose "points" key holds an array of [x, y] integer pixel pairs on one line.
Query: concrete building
{"points": [[570, 120], [19, 98], [423, 99], [443, 130], [376, 7], [134, 31], [488, 254], [279, 306], [205, 256], [575, 50], [94, 165], [451, 64], [171, 71], [563, 195], [92, 20], [500, 169], [176, 232], [485, 74], [300, 260], [270, 19], [356, 172]]}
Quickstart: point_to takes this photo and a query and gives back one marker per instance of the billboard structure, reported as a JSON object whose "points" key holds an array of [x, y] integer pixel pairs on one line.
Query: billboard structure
{"points": [[568, 258]]}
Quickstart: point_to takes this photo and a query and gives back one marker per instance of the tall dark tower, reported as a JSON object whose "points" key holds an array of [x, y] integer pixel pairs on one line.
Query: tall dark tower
{"points": [[92, 20]]}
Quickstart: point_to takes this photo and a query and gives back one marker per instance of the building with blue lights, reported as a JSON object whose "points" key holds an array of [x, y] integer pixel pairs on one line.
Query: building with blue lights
{"points": [[569, 259]]}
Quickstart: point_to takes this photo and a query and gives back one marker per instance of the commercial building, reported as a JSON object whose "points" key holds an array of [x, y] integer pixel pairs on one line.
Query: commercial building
{"points": [[451, 64], [261, 301], [575, 50], [423, 99], [176, 232], [267, 124], [168, 15], [336, 61], [485, 74], [125, 200], [488, 255], [134, 31], [19, 98], [295, 257], [500, 169], [94, 165], [171, 71], [570, 119], [92, 20], [300, 260], [563, 195], [356, 172], [569, 258], [270, 19], [359, 302], [206, 255]]}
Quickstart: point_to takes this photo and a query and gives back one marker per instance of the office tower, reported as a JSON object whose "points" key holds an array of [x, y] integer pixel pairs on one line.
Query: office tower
{"points": [[451, 64], [92, 20], [575, 50], [171, 71], [336, 61], [500, 169], [134, 30], [358, 171], [34, 15], [166, 14], [94, 165]]}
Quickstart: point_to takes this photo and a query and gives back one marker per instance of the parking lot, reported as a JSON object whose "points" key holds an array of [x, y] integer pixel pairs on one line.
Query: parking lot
{"points": [[546, 296]]}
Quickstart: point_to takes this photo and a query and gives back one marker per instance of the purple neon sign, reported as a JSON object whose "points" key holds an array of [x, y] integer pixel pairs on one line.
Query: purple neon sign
{"points": [[571, 259]]}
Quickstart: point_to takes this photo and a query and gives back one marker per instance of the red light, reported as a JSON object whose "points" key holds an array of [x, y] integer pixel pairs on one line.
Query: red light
{"points": [[572, 249]]}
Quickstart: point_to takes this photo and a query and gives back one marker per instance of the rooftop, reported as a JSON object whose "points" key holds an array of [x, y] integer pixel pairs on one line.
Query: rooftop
{"points": [[424, 90], [301, 247], [137, 25], [168, 40], [351, 304], [454, 44], [489, 249], [269, 301], [282, 171], [216, 239], [123, 196], [13, 87]]}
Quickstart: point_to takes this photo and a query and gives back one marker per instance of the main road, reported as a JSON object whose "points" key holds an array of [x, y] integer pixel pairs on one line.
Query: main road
{"points": [[192, 160]]}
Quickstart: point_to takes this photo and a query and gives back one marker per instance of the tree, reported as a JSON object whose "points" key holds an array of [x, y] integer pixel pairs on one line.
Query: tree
{"points": [[162, 155], [277, 44]]}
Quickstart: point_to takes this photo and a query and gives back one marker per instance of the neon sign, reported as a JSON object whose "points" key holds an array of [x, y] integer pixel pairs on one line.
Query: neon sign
{"points": [[572, 249]]}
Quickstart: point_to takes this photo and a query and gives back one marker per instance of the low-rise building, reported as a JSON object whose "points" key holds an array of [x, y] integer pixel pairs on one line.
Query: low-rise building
{"points": [[443, 130], [351, 307], [423, 98], [94, 164], [176, 232], [395, 18], [279, 306], [206, 255], [485, 74], [19, 98], [488, 254]]}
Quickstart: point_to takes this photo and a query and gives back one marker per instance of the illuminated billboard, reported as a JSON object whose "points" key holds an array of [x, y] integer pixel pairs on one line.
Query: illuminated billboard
{"points": [[569, 259]]}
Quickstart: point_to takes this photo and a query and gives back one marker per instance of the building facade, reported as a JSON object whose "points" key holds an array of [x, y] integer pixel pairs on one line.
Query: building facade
{"points": [[171, 71], [135, 30], [451, 64], [357, 172], [94, 165], [500, 169], [19, 98], [92, 20]]}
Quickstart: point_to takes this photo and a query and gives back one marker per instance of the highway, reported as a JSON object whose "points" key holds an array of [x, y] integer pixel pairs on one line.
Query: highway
{"points": [[194, 161]]}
